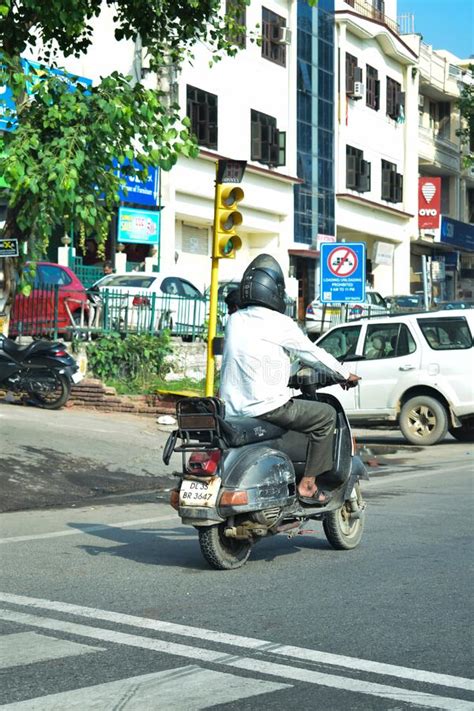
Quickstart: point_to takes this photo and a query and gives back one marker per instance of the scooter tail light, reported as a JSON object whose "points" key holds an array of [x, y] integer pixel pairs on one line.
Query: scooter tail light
{"points": [[204, 462], [60, 353], [234, 498]]}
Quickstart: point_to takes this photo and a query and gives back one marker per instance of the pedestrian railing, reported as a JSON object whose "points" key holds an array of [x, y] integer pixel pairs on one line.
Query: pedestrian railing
{"points": [[53, 311], [87, 274]]}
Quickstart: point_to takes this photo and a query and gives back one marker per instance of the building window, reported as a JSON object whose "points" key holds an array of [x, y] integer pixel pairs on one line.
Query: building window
{"points": [[373, 88], [268, 144], [379, 9], [273, 46], [392, 183], [395, 99], [353, 73], [201, 109], [236, 34], [444, 120], [357, 170]]}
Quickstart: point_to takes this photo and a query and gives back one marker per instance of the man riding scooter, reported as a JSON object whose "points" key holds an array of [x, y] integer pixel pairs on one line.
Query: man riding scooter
{"points": [[260, 343]]}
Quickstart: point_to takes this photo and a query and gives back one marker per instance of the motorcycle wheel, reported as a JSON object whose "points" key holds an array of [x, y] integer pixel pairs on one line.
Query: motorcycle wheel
{"points": [[220, 552], [57, 396], [342, 532]]}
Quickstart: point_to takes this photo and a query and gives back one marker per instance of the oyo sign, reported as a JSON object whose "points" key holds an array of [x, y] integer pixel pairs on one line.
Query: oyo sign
{"points": [[429, 203]]}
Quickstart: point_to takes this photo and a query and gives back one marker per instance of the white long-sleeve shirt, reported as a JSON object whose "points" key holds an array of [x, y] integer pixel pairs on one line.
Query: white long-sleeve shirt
{"points": [[256, 362]]}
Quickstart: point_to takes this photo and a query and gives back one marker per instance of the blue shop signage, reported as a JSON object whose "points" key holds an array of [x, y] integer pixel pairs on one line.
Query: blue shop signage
{"points": [[457, 234], [141, 192], [138, 226]]}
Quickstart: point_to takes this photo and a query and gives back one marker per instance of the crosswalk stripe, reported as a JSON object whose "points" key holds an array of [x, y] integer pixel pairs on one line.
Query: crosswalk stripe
{"points": [[255, 665], [248, 643], [188, 688], [31, 647]]}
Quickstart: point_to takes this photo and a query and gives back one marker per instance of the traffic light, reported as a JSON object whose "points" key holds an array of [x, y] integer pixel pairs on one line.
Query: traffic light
{"points": [[227, 218]]}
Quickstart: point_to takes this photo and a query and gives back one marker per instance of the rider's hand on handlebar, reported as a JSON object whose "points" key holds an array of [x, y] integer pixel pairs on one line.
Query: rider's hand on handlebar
{"points": [[351, 382]]}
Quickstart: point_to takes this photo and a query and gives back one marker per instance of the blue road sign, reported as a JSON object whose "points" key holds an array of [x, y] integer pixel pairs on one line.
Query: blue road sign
{"points": [[342, 272]]}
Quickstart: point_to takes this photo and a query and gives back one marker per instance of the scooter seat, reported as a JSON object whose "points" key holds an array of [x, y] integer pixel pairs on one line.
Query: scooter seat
{"points": [[240, 431], [20, 352]]}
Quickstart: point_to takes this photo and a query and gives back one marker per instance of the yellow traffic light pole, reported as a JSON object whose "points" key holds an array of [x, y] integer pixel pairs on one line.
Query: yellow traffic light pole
{"points": [[212, 327], [225, 243]]}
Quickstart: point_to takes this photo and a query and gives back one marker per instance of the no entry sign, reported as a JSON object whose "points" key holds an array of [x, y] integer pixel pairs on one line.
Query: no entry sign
{"points": [[342, 272]]}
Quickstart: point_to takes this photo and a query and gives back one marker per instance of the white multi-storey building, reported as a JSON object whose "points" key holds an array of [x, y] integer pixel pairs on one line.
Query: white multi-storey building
{"points": [[242, 108], [449, 248], [376, 128]]}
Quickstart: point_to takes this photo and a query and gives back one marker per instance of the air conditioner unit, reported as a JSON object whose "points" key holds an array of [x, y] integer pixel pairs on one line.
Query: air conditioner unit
{"points": [[358, 90], [421, 101], [284, 35]]}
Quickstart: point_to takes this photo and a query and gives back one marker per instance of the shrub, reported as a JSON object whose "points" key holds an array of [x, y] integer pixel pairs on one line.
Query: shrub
{"points": [[134, 357]]}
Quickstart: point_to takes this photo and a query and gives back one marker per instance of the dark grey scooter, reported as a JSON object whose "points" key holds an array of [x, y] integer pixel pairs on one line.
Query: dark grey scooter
{"points": [[239, 477]]}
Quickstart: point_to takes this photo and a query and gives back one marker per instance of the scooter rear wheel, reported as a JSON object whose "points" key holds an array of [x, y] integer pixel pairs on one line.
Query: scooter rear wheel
{"points": [[342, 531], [220, 552]]}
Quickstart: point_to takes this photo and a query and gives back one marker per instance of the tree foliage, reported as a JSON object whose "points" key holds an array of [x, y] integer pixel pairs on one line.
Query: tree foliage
{"points": [[57, 157], [466, 106]]}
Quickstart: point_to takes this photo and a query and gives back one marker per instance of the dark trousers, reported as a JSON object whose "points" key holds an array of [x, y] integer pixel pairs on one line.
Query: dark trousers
{"points": [[317, 420]]}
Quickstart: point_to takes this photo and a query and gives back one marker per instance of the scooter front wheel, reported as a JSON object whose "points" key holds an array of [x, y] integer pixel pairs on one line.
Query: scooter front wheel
{"points": [[342, 529], [222, 553]]}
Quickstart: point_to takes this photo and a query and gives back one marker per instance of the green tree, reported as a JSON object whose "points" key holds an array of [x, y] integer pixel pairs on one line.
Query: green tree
{"points": [[466, 132], [57, 157]]}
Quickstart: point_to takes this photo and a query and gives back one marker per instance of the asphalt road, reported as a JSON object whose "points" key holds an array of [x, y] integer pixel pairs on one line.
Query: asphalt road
{"points": [[111, 606]]}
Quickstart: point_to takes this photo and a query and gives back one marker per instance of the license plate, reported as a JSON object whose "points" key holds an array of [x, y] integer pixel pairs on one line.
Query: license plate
{"points": [[199, 493], [332, 312], [77, 377]]}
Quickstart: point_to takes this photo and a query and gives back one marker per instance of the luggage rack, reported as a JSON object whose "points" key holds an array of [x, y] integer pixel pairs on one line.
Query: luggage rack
{"points": [[199, 426]]}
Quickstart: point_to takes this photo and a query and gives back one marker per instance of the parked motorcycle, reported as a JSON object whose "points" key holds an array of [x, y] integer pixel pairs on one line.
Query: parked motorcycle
{"points": [[239, 477], [43, 370]]}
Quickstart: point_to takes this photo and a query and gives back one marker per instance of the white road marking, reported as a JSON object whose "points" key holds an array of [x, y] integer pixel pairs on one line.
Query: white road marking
{"points": [[249, 643], [31, 647], [253, 665], [188, 688], [87, 528]]}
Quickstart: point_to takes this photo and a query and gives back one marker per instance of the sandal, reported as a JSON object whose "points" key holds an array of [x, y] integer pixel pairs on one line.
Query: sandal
{"points": [[319, 498]]}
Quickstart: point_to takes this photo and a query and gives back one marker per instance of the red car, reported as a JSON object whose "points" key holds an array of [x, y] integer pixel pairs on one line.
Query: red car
{"points": [[57, 301]]}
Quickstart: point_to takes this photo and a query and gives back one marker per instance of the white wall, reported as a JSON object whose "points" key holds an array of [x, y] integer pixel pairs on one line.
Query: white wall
{"points": [[367, 217]]}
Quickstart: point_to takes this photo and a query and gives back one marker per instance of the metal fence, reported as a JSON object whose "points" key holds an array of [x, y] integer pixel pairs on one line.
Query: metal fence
{"points": [[87, 275], [54, 311]]}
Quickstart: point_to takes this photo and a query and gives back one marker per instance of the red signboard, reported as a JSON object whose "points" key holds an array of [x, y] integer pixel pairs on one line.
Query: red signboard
{"points": [[429, 203]]}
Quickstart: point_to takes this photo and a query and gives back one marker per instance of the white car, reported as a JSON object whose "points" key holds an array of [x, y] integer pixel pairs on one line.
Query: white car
{"points": [[417, 370], [321, 317], [150, 302]]}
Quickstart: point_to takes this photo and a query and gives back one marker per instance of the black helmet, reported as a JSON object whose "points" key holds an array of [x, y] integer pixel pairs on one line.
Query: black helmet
{"points": [[263, 284]]}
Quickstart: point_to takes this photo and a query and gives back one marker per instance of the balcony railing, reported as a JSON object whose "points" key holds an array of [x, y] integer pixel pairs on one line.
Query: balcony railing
{"points": [[375, 11]]}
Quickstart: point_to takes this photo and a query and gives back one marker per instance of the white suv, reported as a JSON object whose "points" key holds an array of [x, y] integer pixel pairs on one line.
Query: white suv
{"points": [[416, 369], [321, 317]]}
